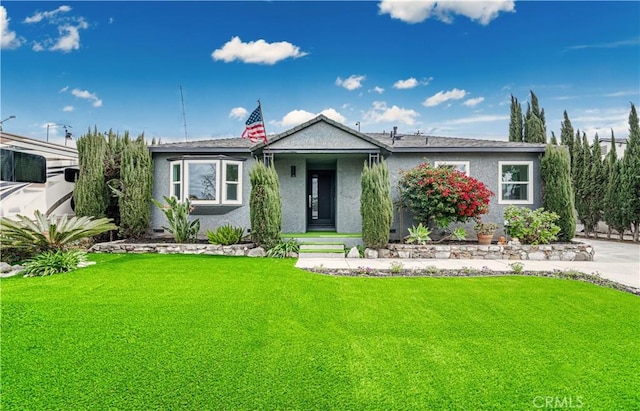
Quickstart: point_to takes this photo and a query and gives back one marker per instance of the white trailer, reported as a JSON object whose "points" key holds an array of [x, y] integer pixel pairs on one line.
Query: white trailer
{"points": [[36, 175]]}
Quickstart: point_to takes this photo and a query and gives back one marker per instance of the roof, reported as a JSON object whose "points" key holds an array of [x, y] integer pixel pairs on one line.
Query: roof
{"points": [[403, 143], [424, 143]]}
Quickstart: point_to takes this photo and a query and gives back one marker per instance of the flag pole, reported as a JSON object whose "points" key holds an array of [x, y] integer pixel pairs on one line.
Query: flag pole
{"points": [[266, 140]]}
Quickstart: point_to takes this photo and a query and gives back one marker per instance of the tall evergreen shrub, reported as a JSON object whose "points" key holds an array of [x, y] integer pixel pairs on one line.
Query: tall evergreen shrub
{"points": [[631, 176], [90, 193], [376, 206], [613, 212], [555, 168], [265, 206], [593, 189], [136, 177]]}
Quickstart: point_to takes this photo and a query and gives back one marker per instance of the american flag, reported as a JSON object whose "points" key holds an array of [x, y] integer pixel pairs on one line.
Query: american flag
{"points": [[254, 130]]}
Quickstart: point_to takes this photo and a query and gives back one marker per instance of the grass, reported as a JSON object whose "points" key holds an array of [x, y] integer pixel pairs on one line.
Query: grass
{"points": [[202, 332]]}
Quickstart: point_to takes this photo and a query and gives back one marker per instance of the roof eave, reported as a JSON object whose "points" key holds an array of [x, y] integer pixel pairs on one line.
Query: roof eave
{"points": [[177, 149], [468, 149]]}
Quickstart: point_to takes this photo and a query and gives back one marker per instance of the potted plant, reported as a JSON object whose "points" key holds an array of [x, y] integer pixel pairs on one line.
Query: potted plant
{"points": [[485, 231]]}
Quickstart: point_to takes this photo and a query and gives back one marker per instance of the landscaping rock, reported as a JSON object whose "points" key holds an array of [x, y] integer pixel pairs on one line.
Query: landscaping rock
{"points": [[5, 267], [370, 253], [257, 252], [353, 253], [384, 253]]}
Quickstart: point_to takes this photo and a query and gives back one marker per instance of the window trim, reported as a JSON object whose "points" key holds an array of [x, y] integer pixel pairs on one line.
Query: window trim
{"points": [[529, 182], [467, 164], [225, 182], [221, 181]]}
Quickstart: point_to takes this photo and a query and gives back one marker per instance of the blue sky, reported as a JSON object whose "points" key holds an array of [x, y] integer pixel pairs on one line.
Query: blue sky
{"points": [[441, 68]]}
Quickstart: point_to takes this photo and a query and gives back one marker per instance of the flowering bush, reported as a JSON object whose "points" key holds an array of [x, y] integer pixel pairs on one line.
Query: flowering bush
{"points": [[443, 195], [531, 226]]}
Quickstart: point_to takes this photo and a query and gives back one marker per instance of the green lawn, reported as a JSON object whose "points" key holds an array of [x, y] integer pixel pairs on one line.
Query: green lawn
{"points": [[198, 332]]}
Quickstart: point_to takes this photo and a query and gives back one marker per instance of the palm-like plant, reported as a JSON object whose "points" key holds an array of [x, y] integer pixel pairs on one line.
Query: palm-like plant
{"points": [[43, 233]]}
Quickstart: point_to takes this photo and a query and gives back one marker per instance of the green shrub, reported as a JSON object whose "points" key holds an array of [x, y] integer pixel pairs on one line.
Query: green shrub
{"points": [[376, 206], [177, 213], [11, 254], [265, 206], [284, 249], [459, 234], [530, 226], [418, 234], [53, 262], [44, 233], [555, 169], [225, 235]]}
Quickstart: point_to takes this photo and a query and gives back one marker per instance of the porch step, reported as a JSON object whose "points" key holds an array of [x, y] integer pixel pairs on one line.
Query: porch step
{"points": [[321, 250], [348, 240]]}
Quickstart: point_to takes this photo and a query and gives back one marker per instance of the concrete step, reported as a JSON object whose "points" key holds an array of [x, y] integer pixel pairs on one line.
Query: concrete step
{"points": [[321, 250]]}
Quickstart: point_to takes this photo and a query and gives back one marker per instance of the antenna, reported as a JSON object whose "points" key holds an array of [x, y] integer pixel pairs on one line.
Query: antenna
{"points": [[184, 117]]}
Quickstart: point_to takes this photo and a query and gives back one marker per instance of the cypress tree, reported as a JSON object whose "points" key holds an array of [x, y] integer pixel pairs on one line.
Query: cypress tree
{"points": [[631, 176], [613, 213], [90, 192], [566, 135], [135, 191], [554, 140], [265, 206], [555, 169], [535, 129], [594, 187], [376, 206], [516, 121]]}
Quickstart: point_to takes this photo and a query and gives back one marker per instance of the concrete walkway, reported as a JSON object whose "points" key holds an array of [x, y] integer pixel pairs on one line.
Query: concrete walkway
{"points": [[616, 261]]}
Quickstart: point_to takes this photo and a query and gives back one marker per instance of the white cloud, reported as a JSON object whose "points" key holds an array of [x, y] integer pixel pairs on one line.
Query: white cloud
{"points": [[381, 113], [442, 96], [257, 52], [8, 38], [67, 108], [472, 102], [417, 11], [238, 112], [612, 45], [86, 95], [377, 89], [476, 119], [296, 117], [69, 37], [37, 46], [334, 115], [406, 84], [41, 15], [622, 93], [351, 83], [64, 89]]}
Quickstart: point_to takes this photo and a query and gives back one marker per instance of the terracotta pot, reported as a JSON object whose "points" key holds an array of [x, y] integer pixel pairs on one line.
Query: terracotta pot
{"points": [[485, 239]]}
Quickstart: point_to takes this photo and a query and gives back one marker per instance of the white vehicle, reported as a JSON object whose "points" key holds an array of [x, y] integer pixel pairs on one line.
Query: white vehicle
{"points": [[36, 175]]}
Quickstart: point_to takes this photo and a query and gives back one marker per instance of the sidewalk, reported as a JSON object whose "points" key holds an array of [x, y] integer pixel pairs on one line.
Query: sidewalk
{"points": [[615, 261]]}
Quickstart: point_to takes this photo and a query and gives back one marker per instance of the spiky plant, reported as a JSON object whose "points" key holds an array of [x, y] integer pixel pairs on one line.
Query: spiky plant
{"points": [[42, 233]]}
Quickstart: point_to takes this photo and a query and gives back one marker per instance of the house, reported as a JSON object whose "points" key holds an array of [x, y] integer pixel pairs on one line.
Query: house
{"points": [[319, 164], [621, 146]]}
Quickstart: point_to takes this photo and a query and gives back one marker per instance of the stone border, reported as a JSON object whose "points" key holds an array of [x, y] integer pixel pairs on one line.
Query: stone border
{"points": [[574, 251], [121, 246]]}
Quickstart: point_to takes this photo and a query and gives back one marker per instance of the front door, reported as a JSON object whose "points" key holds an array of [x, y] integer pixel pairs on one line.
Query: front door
{"points": [[321, 196]]}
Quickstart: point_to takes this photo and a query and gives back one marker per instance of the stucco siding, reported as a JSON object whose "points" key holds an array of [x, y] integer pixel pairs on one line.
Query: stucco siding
{"points": [[348, 189], [293, 191], [482, 166], [322, 136], [210, 217]]}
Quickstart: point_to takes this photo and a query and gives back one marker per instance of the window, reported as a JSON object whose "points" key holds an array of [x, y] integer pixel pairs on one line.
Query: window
{"points": [[462, 166], [21, 167], [374, 158], [207, 181], [516, 182]]}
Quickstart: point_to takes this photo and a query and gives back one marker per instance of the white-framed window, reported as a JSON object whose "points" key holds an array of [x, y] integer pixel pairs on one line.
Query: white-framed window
{"points": [[206, 181], [462, 166], [516, 182]]}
